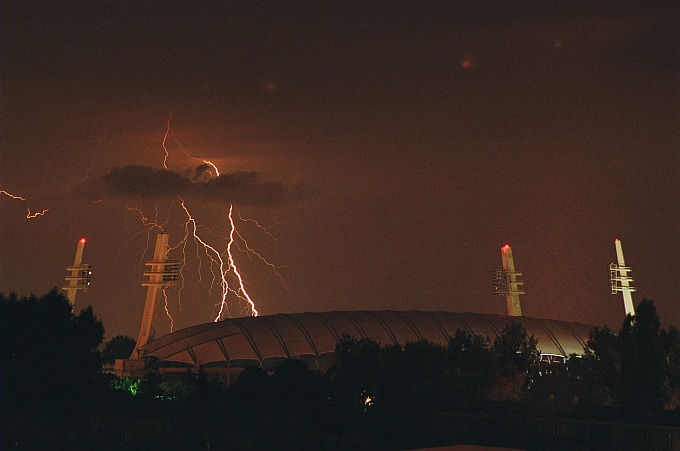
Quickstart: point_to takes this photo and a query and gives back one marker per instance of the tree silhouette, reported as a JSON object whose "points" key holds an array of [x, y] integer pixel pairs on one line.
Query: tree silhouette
{"points": [[119, 347], [473, 365], [517, 354], [297, 403], [671, 347], [412, 391], [50, 361], [356, 371], [250, 399], [602, 367], [354, 383], [642, 359], [639, 368], [516, 349]]}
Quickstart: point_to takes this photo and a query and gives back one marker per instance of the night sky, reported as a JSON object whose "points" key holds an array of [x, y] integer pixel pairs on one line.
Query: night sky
{"points": [[387, 149]]}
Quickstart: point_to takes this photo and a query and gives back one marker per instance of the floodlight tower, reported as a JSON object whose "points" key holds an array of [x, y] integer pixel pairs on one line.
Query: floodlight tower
{"points": [[620, 279], [505, 282], [80, 276], [163, 273]]}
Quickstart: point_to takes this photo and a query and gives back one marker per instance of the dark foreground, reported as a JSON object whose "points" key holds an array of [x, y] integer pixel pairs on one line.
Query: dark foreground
{"points": [[508, 431]]}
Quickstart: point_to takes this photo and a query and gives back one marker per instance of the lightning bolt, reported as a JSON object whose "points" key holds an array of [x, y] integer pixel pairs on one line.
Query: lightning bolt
{"points": [[215, 258], [96, 151], [251, 251], [242, 293], [150, 226], [29, 215], [146, 221], [217, 171], [179, 144], [257, 224], [228, 281], [191, 228], [167, 309], [12, 196], [165, 139], [93, 156], [223, 268]]}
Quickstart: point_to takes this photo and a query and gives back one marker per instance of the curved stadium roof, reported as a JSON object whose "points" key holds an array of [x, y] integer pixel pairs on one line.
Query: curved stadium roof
{"points": [[315, 334]]}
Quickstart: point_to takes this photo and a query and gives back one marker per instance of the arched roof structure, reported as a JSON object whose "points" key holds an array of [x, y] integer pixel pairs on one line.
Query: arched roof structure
{"points": [[305, 335]]}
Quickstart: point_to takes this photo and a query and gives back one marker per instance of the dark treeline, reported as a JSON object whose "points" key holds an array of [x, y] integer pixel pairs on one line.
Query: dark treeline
{"points": [[55, 395]]}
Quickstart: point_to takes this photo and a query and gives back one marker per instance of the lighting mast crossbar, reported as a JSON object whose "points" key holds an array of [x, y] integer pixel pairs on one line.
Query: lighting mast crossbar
{"points": [[81, 274], [162, 274], [620, 279], [505, 282]]}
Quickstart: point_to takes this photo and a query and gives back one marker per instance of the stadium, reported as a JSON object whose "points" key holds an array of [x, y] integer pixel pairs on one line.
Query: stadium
{"points": [[222, 349]]}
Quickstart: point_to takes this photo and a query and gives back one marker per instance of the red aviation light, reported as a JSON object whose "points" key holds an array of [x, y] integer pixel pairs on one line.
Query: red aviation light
{"points": [[506, 247], [82, 240]]}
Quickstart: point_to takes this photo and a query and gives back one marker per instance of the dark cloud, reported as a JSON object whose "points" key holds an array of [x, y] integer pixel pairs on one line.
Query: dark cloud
{"points": [[241, 188], [200, 173], [244, 188], [146, 181]]}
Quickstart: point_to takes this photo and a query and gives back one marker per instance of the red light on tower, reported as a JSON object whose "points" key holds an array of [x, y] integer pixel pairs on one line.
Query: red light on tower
{"points": [[79, 279], [505, 282]]}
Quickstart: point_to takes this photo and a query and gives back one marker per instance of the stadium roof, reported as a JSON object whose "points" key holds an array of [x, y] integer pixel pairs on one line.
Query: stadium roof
{"points": [[316, 334]]}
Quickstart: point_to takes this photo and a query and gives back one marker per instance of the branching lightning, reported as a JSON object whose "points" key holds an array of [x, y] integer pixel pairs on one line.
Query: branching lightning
{"points": [[220, 269], [264, 229], [251, 251], [179, 144], [229, 289], [146, 221], [241, 293], [215, 260], [227, 277], [230, 267], [150, 226]]}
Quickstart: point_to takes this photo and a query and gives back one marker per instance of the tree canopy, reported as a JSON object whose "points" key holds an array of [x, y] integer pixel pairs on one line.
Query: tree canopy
{"points": [[637, 368], [50, 358], [119, 347]]}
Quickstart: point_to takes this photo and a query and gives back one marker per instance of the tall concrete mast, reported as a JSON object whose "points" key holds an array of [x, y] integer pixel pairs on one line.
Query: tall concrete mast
{"points": [[80, 274], [163, 273], [505, 282], [620, 279]]}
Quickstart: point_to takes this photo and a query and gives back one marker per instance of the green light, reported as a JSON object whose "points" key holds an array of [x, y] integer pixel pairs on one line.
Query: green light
{"points": [[128, 384]]}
